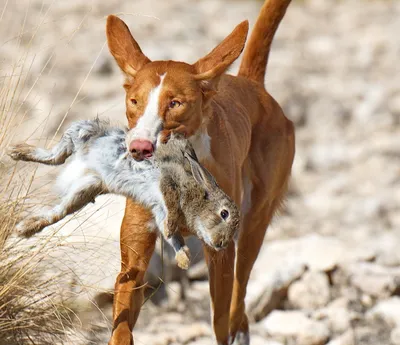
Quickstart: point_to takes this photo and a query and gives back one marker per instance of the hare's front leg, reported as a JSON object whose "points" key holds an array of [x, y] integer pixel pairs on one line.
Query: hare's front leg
{"points": [[79, 195], [171, 196], [182, 253]]}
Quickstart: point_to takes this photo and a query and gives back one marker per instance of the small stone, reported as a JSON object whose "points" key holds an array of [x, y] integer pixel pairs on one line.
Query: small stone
{"points": [[198, 271], [311, 291], [366, 300], [344, 339], [259, 340], [285, 325], [318, 253], [395, 336], [266, 292], [336, 315], [388, 310], [373, 279], [201, 341], [190, 332]]}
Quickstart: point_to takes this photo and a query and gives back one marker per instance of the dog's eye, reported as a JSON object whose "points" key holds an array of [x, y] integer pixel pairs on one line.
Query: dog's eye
{"points": [[133, 101], [224, 214], [174, 104]]}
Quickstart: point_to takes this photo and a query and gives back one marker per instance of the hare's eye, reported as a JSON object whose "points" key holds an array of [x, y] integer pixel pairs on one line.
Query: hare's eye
{"points": [[205, 195], [133, 101], [224, 214]]}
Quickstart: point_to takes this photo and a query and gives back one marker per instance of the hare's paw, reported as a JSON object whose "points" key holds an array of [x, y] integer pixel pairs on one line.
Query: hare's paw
{"points": [[182, 258], [31, 226], [20, 151]]}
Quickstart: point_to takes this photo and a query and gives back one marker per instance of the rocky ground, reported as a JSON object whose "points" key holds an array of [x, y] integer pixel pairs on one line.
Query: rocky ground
{"points": [[329, 272]]}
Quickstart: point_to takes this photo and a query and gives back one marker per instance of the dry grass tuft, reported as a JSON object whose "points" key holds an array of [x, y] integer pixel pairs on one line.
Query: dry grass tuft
{"points": [[28, 312], [31, 310]]}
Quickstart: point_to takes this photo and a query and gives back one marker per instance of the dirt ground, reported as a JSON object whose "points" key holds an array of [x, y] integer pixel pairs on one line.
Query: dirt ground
{"points": [[329, 270]]}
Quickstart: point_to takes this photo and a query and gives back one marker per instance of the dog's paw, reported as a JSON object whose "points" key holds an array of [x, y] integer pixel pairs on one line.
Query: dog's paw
{"points": [[30, 226], [182, 258], [20, 151]]}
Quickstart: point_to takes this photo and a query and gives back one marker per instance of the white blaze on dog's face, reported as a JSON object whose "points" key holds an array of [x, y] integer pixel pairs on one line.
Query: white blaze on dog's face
{"points": [[149, 124], [165, 96]]}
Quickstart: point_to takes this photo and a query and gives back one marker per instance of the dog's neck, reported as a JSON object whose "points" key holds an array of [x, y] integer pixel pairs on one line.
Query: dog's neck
{"points": [[201, 143]]}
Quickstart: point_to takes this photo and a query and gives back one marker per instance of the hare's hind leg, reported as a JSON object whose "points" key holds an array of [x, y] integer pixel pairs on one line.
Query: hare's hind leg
{"points": [[182, 253], [55, 156], [79, 195]]}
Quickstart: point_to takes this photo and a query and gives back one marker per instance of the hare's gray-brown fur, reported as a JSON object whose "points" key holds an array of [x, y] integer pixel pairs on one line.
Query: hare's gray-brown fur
{"points": [[177, 189]]}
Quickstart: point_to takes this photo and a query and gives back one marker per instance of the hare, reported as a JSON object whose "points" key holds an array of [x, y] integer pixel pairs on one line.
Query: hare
{"points": [[180, 192]]}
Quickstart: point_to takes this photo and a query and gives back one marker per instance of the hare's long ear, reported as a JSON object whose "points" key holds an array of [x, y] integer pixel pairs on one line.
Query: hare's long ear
{"points": [[201, 174]]}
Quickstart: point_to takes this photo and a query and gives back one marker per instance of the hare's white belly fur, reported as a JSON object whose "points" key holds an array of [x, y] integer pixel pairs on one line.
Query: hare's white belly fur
{"points": [[120, 175]]}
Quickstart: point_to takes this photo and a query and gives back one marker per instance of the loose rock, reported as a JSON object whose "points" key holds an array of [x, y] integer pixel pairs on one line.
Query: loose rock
{"points": [[388, 310], [268, 291], [286, 325], [344, 339], [373, 279], [336, 315], [310, 292], [395, 336]]}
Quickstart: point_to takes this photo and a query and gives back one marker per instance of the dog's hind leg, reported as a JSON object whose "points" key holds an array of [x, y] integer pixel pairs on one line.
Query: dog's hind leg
{"points": [[79, 195]]}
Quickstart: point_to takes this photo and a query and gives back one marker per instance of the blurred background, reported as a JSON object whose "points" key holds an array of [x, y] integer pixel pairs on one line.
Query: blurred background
{"points": [[329, 271]]}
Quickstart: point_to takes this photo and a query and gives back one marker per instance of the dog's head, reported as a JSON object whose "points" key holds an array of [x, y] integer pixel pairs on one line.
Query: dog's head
{"points": [[165, 96]]}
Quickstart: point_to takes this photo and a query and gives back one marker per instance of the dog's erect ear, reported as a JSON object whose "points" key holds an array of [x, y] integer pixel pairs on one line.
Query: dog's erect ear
{"points": [[123, 46], [222, 56], [201, 174]]}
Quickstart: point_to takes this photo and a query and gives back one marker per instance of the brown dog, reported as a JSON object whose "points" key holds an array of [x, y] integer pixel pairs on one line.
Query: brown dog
{"points": [[239, 133]]}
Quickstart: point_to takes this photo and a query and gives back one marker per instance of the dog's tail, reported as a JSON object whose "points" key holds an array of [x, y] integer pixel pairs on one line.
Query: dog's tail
{"points": [[255, 56]]}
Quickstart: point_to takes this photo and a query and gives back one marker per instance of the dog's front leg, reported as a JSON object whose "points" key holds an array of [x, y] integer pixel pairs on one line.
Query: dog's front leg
{"points": [[138, 239], [221, 274]]}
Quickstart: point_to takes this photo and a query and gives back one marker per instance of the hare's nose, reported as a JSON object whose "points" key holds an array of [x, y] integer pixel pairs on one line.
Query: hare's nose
{"points": [[221, 244], [141, 149]]}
